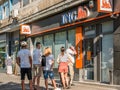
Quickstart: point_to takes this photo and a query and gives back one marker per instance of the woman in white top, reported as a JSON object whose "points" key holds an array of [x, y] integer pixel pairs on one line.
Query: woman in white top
{"points": [[63, 60], [48, 68]]}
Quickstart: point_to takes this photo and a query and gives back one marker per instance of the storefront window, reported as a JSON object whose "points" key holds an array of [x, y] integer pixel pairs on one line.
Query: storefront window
{"points": [[38, 39], [71, 38], [89, 50], [60, 40], [48, 41], [107, 27], [107, 52]]}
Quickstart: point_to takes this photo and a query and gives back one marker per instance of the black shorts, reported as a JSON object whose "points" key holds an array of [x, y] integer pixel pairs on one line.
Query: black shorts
{"points": [[27, 71]]}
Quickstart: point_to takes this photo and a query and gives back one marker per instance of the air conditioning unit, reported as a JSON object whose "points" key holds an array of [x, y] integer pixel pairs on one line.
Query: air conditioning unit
{"points": [[15, 13]]}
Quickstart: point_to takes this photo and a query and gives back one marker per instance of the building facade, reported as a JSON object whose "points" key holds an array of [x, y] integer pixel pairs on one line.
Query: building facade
{"points": [[92, 26]]}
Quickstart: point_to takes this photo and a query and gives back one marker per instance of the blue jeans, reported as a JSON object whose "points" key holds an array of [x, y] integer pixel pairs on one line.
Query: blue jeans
{"points": [[47, 73]]}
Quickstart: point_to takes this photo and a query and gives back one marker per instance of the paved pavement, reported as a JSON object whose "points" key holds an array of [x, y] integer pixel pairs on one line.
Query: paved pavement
{"points": [[12, 82]]}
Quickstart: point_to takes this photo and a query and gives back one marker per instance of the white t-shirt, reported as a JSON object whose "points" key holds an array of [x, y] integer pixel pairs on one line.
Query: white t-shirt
{"points": [[63, 58], [71, 54], [37, 56], [24, 54], [49, 60]]}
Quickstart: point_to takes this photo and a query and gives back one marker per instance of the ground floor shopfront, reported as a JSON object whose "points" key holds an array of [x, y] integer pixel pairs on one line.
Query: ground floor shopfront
{"points": [[94, 45], [89, 31]]}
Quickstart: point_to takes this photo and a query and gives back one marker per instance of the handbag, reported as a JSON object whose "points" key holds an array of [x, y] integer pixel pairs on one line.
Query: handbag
{"points": [[43, 62]]}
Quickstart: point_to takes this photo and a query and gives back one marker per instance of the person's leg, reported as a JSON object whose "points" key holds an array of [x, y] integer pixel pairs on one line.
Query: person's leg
{"points": [[39, 75], [29, 75], [34, 73], [54, 83], [30, 82], [38, 81], [63, 79], [22, 78], [46, 84], [66, 78], [51, 75], [71, 74], [45, 73], [23, 84]]}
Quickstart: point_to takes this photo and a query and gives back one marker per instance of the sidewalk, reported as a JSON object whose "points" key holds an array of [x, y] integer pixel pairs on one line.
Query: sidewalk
{"points": [[12, 82]]}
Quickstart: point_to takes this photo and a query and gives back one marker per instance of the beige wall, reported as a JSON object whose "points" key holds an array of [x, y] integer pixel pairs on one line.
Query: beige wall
{"points": [[30, 9]]}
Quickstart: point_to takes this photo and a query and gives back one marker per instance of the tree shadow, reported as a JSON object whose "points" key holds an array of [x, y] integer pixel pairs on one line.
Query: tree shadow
{"points": [[17, 86], [10, 86]]}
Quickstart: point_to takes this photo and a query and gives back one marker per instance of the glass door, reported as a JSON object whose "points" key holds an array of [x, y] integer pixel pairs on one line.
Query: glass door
{"points": [[60, 40], [89, 59]]}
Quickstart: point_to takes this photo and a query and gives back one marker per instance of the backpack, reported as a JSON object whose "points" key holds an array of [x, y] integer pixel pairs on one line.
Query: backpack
{"points": [[43, 62]]}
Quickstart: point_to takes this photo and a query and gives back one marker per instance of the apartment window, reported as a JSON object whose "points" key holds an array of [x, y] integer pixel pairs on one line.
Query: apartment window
{"points": [[25, 2], [4, 12]]}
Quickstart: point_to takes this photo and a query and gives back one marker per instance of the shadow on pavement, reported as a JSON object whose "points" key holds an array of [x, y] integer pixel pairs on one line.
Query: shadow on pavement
{"points": [[16, 86], [10, 86]]}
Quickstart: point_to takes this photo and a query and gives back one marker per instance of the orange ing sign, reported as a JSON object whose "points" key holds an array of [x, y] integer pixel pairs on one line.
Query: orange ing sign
{"points": [[83, 12], [25, 29]]}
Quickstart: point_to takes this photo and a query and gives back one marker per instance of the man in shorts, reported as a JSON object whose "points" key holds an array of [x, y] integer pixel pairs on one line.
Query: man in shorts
{"points": [[71, 52], [24, 60], [37, 65]]}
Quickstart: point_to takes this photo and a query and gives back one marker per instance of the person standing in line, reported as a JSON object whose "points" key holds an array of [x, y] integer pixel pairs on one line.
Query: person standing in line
{"points": [[24, 60], [48, 68], [37, 65], [63, 60], [71, 52]]}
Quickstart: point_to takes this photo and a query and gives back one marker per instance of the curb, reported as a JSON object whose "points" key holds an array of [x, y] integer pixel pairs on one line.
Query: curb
{"points": [[99, 84]]}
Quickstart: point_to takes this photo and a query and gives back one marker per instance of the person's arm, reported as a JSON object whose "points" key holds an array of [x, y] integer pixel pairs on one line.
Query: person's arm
{"points": [[18, 61], [58, 59], [30, 59], [51, 68], [70, 59]]}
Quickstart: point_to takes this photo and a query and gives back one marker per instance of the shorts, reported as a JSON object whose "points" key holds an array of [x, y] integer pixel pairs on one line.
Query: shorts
{"points": [[36, 70], [27, 71], [47, 73], [63, 67]]}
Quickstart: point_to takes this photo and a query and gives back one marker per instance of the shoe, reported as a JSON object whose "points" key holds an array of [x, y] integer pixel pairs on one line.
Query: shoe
{"points": [[68, 87], [72, 84], [57, 89]]}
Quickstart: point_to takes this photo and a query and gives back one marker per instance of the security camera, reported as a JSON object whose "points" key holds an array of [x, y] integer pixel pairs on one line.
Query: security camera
{"points": [[114, 16]]}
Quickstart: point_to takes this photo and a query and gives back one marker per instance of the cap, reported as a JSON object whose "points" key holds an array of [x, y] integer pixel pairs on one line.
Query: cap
{"points": [[23, 43]]}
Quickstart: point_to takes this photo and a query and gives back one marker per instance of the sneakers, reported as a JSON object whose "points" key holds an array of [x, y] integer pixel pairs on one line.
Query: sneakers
{"points": [[72, 84], [57, 89]]}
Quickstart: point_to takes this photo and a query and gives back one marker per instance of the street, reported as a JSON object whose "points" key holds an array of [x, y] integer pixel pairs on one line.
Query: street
{"points": [[12, 82]]}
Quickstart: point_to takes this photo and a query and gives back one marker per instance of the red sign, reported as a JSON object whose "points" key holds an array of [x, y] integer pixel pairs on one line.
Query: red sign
{"points": [[83, 12], [105, 5], [25, 29]]}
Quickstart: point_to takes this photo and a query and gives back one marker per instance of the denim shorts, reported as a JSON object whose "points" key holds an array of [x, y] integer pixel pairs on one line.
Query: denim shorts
{"points": [[47, 73]]}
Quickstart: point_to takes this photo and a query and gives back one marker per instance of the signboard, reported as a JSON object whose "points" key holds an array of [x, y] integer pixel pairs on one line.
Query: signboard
{"points": [[81, 13], [88, 55], [25, 29], [105, 5], [79, 56]]}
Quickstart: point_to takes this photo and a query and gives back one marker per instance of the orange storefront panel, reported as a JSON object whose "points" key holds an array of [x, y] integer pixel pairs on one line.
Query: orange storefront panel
{"points": [[79, 56]]}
